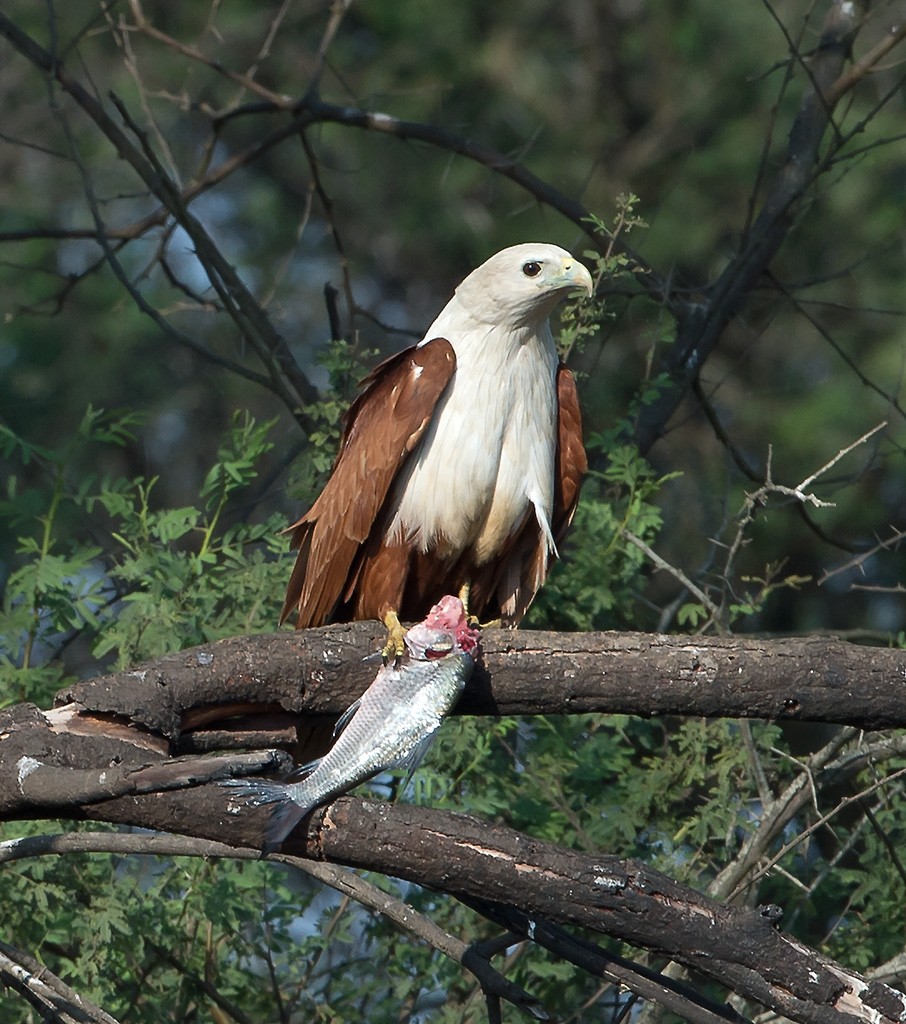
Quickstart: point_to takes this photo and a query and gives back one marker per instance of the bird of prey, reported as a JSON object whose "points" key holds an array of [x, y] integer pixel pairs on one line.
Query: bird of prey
{"points": [[460, 462]]}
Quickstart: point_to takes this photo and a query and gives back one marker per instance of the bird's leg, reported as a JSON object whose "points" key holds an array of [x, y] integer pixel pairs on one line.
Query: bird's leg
{"points": [[395, 646], [464, 592]]}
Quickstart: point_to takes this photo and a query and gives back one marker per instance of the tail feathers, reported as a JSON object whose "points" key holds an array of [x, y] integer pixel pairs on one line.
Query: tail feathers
{"points": [[284, 812]]}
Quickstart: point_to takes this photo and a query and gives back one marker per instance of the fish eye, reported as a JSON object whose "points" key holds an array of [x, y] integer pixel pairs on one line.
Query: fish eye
{"points": [[531, 269]]}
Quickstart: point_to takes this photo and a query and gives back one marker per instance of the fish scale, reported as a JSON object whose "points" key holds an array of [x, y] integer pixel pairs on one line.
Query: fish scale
{"points": [[391, 725]]}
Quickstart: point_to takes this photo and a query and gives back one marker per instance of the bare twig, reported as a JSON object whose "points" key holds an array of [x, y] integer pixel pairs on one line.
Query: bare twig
{"points": [[53, 999], [345, 881], [773, 818], [825, 818], [338, 9], [743, 873], [286, 377], [759, 498], [678, 574], [700, 325], [867, 65], [142, 24], [800, 489], [887, 544], [103, 236], [410, 920]]}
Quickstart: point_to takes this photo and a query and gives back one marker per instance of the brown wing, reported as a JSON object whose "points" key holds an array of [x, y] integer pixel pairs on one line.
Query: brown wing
{"points": [[572, 462], [517, 577], [383, 426]]}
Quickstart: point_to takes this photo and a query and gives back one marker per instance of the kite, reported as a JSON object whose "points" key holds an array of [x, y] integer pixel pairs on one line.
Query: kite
{"points": [[460, 462]]}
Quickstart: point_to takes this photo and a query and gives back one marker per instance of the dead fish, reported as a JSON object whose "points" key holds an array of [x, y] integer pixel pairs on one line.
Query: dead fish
{"points": [[391, 725]]}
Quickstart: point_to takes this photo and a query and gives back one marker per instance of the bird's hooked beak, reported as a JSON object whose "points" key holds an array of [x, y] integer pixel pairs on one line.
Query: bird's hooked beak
{"points": [[574, 274]]}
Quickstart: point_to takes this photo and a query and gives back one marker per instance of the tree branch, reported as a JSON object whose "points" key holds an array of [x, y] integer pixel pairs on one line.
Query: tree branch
{"points": [[292, 385], [490, 866], [105, 754], [471, 859], [49, 995], [475, 957], [241, 691], [701, 324]]}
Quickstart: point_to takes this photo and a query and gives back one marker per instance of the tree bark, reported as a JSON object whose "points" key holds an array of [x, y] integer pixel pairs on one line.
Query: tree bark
{"points": [[114, 749], [483, 863], [241, 691]]}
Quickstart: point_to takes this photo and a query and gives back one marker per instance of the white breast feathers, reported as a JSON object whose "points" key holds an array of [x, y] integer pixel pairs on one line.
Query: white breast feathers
{"points": [[487, 457]]}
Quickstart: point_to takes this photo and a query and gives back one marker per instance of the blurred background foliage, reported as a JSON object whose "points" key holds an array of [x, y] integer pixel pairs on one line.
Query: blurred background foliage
{"points": [[144, 482]]}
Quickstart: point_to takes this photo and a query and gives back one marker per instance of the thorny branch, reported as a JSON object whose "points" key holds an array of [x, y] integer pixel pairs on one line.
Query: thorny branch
{"points": [[887, 544], [473, 957], [754, 502], [158, 791], [699, 323], [671, 995], [678, 574], [825, 768], [800, 492], [343, 880], [526, 921]]}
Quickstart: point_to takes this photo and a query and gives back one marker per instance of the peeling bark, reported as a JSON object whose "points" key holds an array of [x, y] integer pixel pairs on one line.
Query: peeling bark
{"points": [[237, 684], [476, 861], [113, 750]]}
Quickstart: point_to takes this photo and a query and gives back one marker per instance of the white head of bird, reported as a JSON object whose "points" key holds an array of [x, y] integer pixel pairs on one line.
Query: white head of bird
{"points": [[521, 285]]}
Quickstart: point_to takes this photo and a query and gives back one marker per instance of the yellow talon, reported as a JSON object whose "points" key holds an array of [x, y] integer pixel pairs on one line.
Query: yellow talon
{"points": [[464, 592], [395, 646]]}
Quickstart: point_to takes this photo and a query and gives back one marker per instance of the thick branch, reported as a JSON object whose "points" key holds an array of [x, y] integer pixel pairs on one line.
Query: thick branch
{"points": [[475, 958], [476, 861], [205, 690], [105, 754], [472, 859]]}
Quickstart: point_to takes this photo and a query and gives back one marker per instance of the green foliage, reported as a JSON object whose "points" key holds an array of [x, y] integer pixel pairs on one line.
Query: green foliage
{"points": [[138, 935], [871, 929], [600, 584], [346, 367], [164, 579], [606, 573], [187, 576], [752, 596], [56, 590], [121, 544], [581, 320], [141, 936]]}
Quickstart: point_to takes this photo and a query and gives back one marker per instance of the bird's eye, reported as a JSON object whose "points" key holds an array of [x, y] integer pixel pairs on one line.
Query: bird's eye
{"points": [[531, 269]]}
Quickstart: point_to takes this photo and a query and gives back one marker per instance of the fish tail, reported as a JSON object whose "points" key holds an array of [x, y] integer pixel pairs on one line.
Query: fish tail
{"points": [[284, 812]]}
